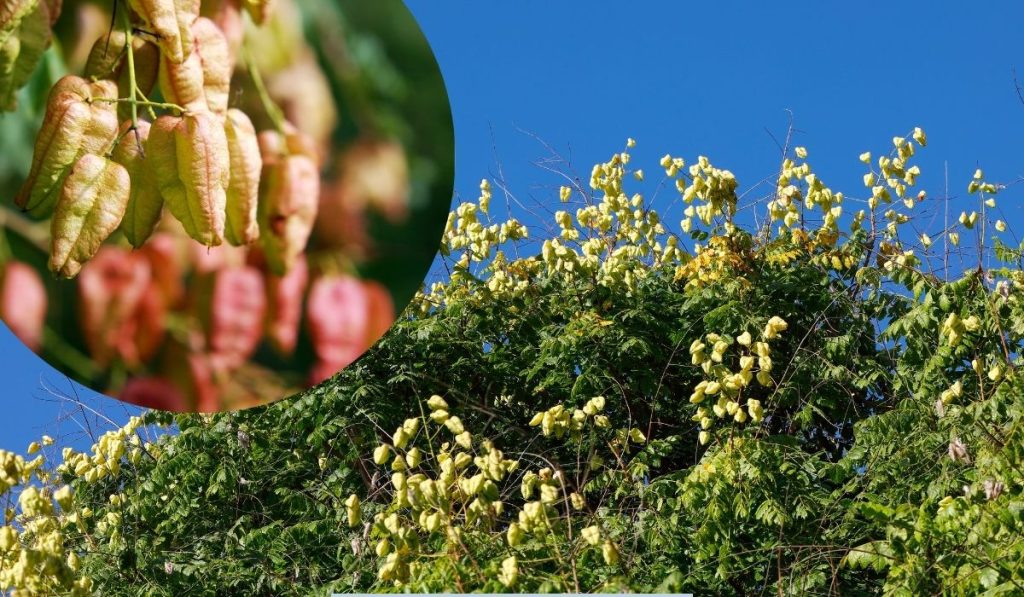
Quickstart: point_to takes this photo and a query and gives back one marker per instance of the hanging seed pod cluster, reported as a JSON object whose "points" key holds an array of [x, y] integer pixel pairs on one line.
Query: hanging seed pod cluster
{"points": [[204, 190], [100, 165]]}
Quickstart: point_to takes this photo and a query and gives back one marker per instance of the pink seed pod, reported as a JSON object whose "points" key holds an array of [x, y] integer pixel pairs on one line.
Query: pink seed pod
{"points": [[191, 166], [171, 20], [23, 303], [78, 122], [202, 81], [243, 189], [149, 323], [289, 198], [237, 308], [227, 15], [167, 263], [284, 306], [110, 289], [91, 206], [337, 313]]}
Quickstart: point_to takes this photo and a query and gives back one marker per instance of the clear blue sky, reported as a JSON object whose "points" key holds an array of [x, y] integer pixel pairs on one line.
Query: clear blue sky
{"points": [[699, 78]]}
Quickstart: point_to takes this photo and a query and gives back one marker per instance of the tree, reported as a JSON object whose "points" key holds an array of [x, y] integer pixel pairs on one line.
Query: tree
{"points": [[805, 407]]}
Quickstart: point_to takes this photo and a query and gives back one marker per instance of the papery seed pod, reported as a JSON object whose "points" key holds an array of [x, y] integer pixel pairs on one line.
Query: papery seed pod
{"points": [[207, 260], [92, 203], [23, 303], [259, 10], [110, 289], [374, 173], [227, 15], [167, 265], [192, 168], [77, 122], [274, 146], [289, 194], [284, 306], [337, 314], [153, 392], [145, 203], [108, 59], [280, 39], [234, 322], [203, 80], [181, 83], [241, 227], [303, 93], [170, 20], [149, 324], [23, 39], [13, 11], [215, 55]]}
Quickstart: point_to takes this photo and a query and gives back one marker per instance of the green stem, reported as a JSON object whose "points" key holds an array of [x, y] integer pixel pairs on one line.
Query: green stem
{"points": [[273, 110], [162, 106], [35, 234], [131, 68]]}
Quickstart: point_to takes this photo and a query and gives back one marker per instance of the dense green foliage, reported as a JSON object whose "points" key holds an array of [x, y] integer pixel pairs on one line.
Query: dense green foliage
{"points": [[887, 457]]}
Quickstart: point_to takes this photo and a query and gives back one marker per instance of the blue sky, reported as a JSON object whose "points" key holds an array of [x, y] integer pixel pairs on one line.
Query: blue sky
{"points": [[697, 79]]}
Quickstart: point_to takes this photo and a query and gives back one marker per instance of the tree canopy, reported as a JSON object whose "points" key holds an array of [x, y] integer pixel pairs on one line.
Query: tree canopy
{"points": [[804, 404]]}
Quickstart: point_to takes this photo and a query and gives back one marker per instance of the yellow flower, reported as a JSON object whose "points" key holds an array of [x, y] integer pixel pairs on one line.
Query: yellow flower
{"points": [[610, 553], [801, 152], [380, 454], [509, 571], [592, 535], [437, 403], [64, 497], [354, 510]]}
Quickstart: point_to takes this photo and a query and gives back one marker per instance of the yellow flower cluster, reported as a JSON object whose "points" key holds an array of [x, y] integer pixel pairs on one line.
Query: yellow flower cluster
{"points": [[465, 232], [753, 361], [107, 454], [789, 197], [33, 559], [557, 420], [724, 258], [713, 187], [453, 488]]}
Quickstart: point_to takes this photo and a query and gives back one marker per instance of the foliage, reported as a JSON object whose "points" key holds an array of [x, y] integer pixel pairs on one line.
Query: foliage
{"points": [[807, 407]]}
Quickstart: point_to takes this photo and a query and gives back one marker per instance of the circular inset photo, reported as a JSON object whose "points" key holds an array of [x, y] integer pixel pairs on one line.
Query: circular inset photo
{"points": [[214, 205]]}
